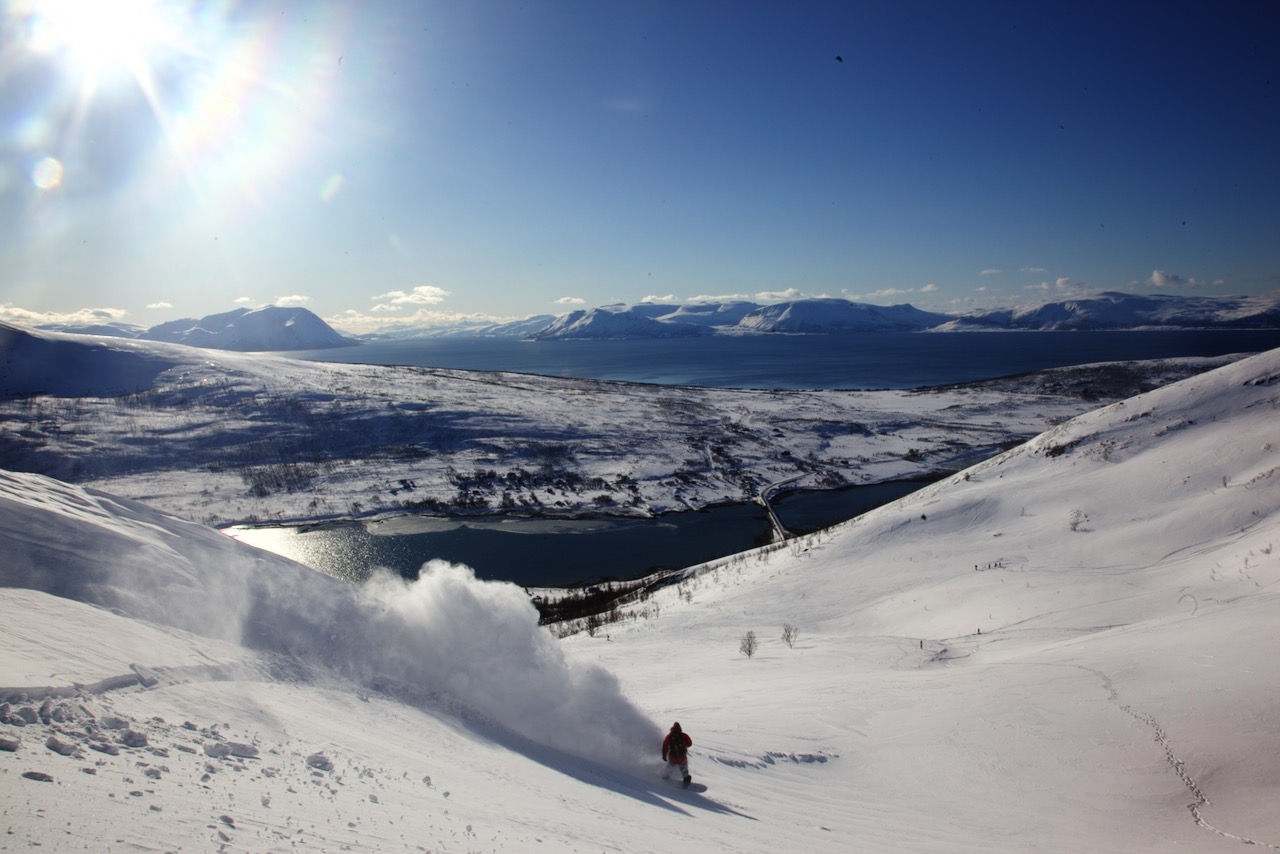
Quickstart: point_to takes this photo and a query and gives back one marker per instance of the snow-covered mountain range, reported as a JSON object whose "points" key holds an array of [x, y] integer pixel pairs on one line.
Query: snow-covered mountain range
{"points": [[267, 329], [282, 329], [1067, 647], [1112, 310], [1106, 311], [614, 322]]}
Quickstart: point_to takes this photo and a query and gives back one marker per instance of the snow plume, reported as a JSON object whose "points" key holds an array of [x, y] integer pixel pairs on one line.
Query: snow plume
{"points": [[479, 643], [446, 636]]}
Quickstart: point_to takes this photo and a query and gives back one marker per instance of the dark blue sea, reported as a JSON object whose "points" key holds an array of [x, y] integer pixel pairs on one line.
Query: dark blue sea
{"points": [[869, 361]]}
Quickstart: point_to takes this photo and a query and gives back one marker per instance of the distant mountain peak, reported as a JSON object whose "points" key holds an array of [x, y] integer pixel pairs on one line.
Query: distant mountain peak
{"points": [[270, 328], [613, 322]]}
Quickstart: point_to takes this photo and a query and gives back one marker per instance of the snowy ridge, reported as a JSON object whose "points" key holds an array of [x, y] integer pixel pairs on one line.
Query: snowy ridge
{"points": [[1113, 310], [613, 323], [1067, 646], [837, 315]]}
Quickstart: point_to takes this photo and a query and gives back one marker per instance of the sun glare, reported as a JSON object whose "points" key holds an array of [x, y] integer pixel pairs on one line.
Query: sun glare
{"points": [[100, 40], [133, 93]]}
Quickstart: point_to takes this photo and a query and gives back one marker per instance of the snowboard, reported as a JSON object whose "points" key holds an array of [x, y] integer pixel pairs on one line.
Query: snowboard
{"points": [[692, 787]]}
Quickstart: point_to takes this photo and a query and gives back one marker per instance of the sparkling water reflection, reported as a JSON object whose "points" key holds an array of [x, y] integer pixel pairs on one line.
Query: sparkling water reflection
{"points": [[557, 552]]}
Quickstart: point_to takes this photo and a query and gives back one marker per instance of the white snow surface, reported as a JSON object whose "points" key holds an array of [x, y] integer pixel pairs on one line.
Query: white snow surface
{"points": [[1068, 647]]}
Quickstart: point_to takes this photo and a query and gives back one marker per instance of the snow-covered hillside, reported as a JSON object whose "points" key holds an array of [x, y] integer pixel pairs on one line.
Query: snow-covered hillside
{"points": [[1069, 647], [227, 437]]}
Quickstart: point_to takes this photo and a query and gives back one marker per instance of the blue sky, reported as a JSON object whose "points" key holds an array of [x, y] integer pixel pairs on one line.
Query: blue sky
{"points": [[382, 161]]}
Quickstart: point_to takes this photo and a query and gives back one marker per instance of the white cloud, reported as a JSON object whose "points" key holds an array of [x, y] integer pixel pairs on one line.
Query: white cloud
{"points": [[991, 271], [661, 300], [421, 295], [778, 296], [292, 300], [245, 301], [1161, 279], [890, 293], [80, 317], [161, 305], [1034, 270], [720, 298], [1165, 279], [571, 301], [355, 322], [1063, 287]]}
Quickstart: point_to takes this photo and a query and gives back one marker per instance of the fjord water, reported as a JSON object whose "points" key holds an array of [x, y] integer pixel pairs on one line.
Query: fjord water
{"points": [[559, 552], [856, 361]]}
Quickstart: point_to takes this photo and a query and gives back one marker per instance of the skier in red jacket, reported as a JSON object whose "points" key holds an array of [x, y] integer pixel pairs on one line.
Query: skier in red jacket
{"points": [[675, 752]]}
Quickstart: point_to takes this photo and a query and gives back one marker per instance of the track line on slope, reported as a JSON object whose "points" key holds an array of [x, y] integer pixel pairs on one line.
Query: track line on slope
{"points": [[1179, 767]]}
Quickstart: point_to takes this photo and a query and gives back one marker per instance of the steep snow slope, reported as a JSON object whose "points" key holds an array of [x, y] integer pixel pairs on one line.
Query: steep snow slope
{"points": [[980, 667], [1071, 645]]}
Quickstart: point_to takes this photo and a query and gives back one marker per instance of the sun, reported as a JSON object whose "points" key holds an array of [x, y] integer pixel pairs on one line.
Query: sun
{"points": [[103, 42]]}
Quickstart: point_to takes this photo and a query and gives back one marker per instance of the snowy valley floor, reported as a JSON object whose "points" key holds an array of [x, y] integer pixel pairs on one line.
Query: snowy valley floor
{"points": [[1068, 647]]}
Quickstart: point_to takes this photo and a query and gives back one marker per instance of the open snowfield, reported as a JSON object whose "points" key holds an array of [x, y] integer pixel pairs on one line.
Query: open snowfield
{"points": [[1068, 647], [226, 438]]}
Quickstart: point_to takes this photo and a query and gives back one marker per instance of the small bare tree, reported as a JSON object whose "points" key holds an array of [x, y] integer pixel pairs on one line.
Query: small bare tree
{"points": [[749, 644], [1076, 518], [789, 635]]}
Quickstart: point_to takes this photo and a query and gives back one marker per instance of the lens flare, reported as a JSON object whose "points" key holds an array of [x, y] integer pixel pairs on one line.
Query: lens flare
{"points": [[47, 173], [331, 187]]}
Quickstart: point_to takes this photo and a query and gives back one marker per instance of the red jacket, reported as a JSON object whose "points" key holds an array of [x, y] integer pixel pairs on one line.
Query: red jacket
{"points": [[666, 743]]}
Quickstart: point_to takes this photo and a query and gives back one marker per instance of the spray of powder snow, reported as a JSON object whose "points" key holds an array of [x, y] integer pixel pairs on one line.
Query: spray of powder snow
{"points": [[480, 643], [446, 634]]}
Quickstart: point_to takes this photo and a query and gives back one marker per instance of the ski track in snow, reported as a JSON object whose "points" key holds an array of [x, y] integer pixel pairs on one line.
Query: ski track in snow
{"points": [[1199, 800]]}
